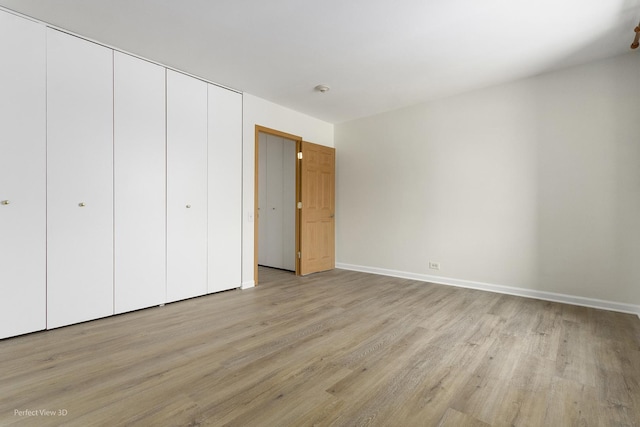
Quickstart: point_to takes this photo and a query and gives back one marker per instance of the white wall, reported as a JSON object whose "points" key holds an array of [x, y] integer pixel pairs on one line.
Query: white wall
{"points": [[533, 184], [257, 111]]}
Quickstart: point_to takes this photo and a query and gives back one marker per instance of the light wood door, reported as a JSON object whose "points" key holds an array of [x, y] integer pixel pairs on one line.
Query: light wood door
{"points": [[186, 186], [225, 189], [317, 222], [22, 176], [79, 180], [139, 177]]}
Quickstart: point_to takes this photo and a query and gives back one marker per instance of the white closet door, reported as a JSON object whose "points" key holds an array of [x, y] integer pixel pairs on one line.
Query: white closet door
{"points": [[22, 176], [186, 186], [79, 180], [275, 194], [263, 236], [225, 189], [139, 177]]}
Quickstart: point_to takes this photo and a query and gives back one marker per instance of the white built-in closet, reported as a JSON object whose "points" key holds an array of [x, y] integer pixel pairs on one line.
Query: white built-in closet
{"points": [[22, 176], [140, 183], [79, 180], [120, 181], [276, 201], [186, 186], [225, 189]]}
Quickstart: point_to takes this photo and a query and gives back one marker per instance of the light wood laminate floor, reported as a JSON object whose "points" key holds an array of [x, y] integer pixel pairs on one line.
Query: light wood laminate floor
{"points": [[333, 349]]}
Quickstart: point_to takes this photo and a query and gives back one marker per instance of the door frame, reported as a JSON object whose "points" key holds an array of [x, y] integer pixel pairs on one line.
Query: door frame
{"points": [[256, 214]]}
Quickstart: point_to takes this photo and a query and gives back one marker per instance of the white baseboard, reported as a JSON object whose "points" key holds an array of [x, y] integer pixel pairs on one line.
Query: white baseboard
{"points": [[248, 284], [521, 292]]}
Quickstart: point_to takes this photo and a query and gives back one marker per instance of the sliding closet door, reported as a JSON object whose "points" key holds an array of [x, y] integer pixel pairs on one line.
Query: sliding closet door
{"points": [[186, 186], [139, 176], [22, 176], [79, 180], [225, 189]]}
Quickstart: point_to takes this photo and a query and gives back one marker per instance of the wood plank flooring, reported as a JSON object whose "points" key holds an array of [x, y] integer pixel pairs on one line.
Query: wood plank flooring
{"points": [[337, 348]]}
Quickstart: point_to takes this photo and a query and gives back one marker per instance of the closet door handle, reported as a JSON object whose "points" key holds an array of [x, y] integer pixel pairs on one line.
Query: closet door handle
{"points": [[5, 202], [82, 204]]}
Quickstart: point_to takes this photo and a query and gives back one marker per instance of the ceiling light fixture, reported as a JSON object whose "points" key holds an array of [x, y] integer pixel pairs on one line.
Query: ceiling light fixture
{"points": [[322, 88], [636, 40]]}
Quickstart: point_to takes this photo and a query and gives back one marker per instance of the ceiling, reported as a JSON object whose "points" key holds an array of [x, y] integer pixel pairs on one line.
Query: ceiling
{"points": [[376, 55]]}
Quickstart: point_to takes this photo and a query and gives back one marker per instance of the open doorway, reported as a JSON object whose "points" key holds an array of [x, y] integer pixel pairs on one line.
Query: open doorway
{"points": [[276, 184], [277, 202], [310, 214]]}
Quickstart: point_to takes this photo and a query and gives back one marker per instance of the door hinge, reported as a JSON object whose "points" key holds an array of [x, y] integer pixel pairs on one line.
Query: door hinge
{"points": [[299, 255], [300, 155], [299, 205]]}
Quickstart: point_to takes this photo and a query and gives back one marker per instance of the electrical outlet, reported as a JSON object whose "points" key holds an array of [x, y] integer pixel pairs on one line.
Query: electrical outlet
{"points": [[434, 265]]}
